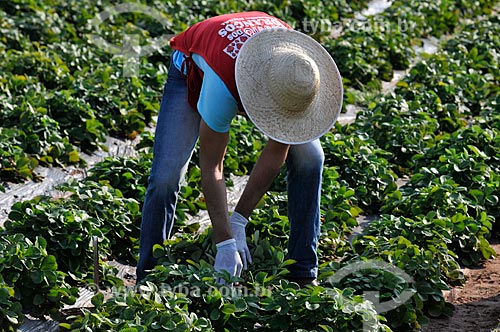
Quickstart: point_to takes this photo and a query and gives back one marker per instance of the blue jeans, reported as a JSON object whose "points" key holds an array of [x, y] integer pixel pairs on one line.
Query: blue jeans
{"points": [[177, 132]]}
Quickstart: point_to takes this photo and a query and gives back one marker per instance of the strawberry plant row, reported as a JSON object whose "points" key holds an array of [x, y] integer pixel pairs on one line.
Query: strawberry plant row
{"points": [[370, 50], [443, 133], [51, 71], [31, 281], [63, 95]]}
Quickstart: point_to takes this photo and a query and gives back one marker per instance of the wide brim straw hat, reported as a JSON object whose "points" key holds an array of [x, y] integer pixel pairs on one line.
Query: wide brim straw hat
{"points": [[289, 85]]}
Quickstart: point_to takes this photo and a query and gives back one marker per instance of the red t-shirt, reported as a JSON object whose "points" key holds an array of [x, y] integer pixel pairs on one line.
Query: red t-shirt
{"points": [[219, 39]]}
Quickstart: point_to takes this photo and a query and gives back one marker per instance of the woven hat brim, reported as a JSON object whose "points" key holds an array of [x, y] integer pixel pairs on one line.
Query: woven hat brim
{"points": [[252, 83]]}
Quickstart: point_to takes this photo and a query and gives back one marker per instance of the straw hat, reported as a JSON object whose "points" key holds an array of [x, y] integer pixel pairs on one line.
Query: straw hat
{"points": [[289, 85]]}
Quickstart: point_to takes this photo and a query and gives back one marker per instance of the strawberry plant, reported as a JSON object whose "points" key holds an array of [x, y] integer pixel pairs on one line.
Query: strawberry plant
{"points": [[473, 149], [123, 106], [474, 46], [366, 54], [33, 274], [190, 291], [434, 18], [39, 135], [453, 91], [10, 310], [41, 63], [126, 174], [150, 308], [245, 144], [115, 219], [339, 208], [76, 118], [92, 210], [430, 231], [362, 167], [400, 127], [421, 263], [468, 166], [468, 56], [455, 205], [68, 232], [15, 164], [468, 157]]}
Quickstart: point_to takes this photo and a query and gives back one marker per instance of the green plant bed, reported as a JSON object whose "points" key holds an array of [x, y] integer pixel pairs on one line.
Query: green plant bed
{"points": [[69, 226], [33, 280], [362, 166], [439, 127], [11, 315], [186, 297], [422, 264]]}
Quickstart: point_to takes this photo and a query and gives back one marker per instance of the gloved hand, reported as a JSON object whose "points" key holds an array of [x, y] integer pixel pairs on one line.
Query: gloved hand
{"points": [[238, 224], [227, 258]]}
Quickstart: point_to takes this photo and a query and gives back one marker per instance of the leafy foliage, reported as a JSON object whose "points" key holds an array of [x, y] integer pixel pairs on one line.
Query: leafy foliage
{"points": [[61, 96], [362, 166], [183, 294], [32, 278], [10, 310], [69, 225]]}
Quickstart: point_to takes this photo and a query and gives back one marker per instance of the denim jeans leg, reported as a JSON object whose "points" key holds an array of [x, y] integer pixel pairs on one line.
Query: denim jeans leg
{"points": [[177, 131], [305, 169]]}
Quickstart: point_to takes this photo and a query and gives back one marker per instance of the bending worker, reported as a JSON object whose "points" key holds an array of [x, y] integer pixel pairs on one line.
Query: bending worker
{"points": [[289, 87]]}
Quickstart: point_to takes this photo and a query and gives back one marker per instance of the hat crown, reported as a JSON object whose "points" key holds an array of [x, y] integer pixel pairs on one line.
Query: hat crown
{"points": [[282, 89], [294, 80]]}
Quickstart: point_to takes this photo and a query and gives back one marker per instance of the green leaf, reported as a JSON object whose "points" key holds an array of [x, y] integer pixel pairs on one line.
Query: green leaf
{"points": [[97, 300], [240, 304], [37, 277], [74, 157], [158, 251], [312, 306], [38, 299]]}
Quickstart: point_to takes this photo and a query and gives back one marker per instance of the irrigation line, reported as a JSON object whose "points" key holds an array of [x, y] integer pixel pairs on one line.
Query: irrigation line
{"points": [[31, 189]]}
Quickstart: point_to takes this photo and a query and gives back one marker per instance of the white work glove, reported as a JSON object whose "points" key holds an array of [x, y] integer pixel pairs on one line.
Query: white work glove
{"points": [[227, 258], [238, 224]]}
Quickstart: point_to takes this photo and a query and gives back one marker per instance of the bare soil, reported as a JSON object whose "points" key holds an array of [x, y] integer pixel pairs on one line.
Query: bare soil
{"points": [[477, 303]]}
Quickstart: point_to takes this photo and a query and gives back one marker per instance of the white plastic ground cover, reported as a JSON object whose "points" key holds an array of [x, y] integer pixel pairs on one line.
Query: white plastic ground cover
{"points": [[18, 192]]}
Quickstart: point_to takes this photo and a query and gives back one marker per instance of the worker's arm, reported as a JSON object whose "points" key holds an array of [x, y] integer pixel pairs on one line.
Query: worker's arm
{"points": [[265, 170], [212, 150]]}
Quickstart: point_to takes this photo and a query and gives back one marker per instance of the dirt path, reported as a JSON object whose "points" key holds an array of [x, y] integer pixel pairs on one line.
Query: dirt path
{"points": [[477, 303]]}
